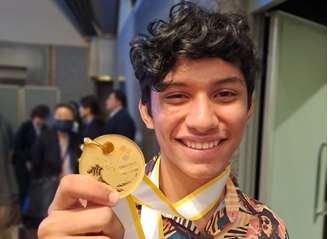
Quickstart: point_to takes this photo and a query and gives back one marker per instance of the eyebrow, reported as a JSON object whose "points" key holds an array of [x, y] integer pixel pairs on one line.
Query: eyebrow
{"points": [[227, 80], [222, 81]]}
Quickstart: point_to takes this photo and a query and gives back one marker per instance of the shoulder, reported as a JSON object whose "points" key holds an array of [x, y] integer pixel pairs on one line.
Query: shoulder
{"points": [[124, 112], [98, 121], [48, 134], [123, 116], [267, 221], [76, 138], [27, 125]]}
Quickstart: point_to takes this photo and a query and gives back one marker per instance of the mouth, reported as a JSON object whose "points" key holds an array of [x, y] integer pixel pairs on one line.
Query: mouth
{"points": [[206, 145]]}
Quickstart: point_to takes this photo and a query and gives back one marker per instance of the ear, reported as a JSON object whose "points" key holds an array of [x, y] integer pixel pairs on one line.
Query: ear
{"points": [[146, 118], [251, 108]]}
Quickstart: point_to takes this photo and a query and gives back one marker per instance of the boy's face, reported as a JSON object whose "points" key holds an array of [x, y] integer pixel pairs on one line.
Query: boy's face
{"points": [[200, 118]]}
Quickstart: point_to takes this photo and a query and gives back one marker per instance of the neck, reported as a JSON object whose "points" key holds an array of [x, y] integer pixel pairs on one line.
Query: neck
{"points": [[175, 184], [62, 134], [175, 189], [118, 108], [88, 118]]}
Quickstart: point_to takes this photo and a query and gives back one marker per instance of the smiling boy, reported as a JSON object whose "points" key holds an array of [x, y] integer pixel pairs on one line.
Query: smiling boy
{"points": [[196, 73]]}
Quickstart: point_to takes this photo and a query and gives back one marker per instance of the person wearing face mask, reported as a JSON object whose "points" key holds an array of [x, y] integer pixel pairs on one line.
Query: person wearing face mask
{"points": [[57, 150], [55, 154]]}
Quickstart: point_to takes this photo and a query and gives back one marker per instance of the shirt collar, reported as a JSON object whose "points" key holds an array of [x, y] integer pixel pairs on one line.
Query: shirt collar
{"points": [[114, 112], [88, 120], [226, 213], [37, 129], [231, 201]]}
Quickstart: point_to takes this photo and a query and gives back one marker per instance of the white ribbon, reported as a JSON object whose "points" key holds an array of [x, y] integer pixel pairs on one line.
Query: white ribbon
{"points": [[155, 204]]}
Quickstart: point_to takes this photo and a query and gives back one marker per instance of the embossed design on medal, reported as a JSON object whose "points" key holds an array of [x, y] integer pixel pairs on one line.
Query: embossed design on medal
{"points": [[114, 160], [126, 169], [95, 171]]}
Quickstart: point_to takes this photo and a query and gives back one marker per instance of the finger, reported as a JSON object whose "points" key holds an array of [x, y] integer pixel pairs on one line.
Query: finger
{"points": [[90, 221], [74, 187]]}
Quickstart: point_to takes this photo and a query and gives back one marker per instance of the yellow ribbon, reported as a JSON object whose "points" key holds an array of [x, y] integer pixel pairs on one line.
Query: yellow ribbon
{"points": [[155, 204]]}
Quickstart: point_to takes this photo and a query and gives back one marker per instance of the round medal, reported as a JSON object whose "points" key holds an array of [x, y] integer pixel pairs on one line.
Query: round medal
{"points": [[115, 160]]}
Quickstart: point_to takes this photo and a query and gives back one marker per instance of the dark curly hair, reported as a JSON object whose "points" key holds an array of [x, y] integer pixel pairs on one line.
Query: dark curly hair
{"points": [[191, 32]]}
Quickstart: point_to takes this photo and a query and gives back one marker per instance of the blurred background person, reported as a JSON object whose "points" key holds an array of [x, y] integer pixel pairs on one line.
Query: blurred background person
{"points": [[55, 154], [90, 113], [25, 138], [9, 207], [119, 120], [77, 124]]}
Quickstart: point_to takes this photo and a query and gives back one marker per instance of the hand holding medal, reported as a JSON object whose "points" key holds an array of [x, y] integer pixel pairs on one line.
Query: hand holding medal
{"points": [[118, 162], [118, 165], [97, 220]]}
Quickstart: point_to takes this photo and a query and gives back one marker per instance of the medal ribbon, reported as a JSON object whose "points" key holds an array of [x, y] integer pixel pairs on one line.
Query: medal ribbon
{"points": [[155, 204]]}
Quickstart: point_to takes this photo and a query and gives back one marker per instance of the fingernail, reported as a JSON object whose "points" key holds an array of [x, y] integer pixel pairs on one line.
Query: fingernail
{"points": [[113, 197]]}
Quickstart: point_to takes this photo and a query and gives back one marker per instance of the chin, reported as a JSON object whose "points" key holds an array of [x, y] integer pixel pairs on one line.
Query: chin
{"points": [[203, 171]]}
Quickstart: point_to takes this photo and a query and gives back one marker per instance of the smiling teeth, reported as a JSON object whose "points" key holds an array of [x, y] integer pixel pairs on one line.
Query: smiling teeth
{"points": [[207, 145]]}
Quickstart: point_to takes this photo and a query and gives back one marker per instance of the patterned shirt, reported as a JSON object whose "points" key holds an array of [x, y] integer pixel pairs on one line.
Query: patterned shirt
{"points": [[238, 216]]}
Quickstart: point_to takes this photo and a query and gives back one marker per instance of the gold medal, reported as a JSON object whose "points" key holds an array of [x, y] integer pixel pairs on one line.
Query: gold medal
{"points": [[115, 160]]}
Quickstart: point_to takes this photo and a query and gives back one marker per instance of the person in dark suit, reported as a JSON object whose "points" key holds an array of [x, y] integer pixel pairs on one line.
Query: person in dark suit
{"points": [[58, 148], [119, 120], [25, 138], [55, 154], [93, 125]]}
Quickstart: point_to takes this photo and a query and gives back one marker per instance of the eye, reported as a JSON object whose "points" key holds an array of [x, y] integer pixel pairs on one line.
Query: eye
{"points": [[225, 95], [176, 98]]}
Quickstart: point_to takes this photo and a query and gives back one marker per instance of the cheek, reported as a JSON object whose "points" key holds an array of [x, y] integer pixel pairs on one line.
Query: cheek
{"points": [[163, 124], [164, 115], [235, 118], [166, 121]]}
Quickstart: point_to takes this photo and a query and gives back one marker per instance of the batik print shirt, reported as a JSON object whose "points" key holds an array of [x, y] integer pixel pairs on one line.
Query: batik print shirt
{"points": [[238, 216]]}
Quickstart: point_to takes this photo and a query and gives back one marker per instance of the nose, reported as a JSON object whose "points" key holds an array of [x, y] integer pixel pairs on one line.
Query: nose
{"points": [[202, 117]]}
